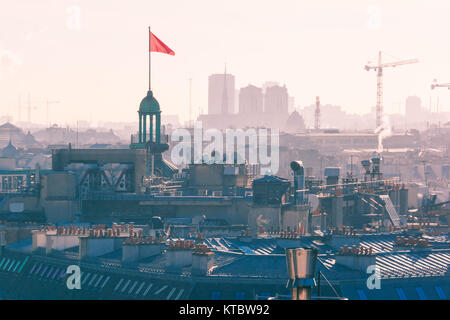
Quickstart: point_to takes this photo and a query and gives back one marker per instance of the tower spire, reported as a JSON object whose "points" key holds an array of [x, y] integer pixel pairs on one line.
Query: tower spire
{"points": [[224, 94]]}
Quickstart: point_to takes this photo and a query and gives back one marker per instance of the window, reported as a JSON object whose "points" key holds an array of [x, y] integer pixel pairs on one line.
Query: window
{"points": [[239, 296], [401, 293], [421, 294], [49, 272], [55, 273], [43, 271], [264, 296], [440, 292], [118, 284], [125, 286], [12, 263], [362, 294], [215, 295], [6, 263]]}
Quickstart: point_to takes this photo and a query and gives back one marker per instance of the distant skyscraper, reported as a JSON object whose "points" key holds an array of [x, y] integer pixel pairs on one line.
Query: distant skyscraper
{"points": [[276, 100], [250, 100], [413, 104], [221, 94], [413, 109]]}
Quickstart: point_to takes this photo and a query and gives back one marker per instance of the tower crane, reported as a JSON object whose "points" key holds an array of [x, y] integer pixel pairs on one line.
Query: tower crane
{"points": [[48, 103], [440, 85], [379, 68]]}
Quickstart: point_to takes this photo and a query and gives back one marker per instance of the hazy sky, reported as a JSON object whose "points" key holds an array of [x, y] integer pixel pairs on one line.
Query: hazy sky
{"points": [[97, 68]]}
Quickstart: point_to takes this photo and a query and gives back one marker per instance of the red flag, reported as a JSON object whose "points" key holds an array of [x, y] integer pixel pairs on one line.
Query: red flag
{"points": [[157, 45]]}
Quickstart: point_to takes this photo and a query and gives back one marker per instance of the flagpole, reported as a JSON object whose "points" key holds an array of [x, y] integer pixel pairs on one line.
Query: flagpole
{"points": [[149, 59]]}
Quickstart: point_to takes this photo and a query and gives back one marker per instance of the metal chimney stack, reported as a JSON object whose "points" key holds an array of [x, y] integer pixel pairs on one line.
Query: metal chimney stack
{"points": [[301, 265], [376, 167], [332, 175], [299, 181], [366, 165]]}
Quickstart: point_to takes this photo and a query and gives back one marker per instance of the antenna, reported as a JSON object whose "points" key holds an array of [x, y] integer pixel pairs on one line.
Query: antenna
{"points": [[224, 95], [190, 102]]}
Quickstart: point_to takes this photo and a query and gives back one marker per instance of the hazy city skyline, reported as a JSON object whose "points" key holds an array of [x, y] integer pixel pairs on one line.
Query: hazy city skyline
{"points": [[45, 51]]}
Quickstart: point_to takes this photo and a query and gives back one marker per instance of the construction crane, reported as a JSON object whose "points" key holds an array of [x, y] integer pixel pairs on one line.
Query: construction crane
{"points": [[379, 67], [317, 114], [439, 85]]}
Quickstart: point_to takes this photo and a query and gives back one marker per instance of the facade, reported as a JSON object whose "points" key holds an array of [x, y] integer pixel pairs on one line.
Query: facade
{"points": [[413, 109], [250, 100], [276, 100]]}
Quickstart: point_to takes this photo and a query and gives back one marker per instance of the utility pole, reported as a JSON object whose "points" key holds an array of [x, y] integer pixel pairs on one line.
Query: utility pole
{"points": [[20, 107], [425, 172], [351, 166]]}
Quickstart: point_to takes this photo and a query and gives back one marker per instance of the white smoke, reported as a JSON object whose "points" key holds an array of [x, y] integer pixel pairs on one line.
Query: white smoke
{"points": [[383, 131]]}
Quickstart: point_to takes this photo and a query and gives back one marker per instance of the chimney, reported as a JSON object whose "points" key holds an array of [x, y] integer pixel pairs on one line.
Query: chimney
{"points": [[38, 239], [356, 258], [332, 175], [202, 260], [301, 265], [179, 255], [299, 181]]}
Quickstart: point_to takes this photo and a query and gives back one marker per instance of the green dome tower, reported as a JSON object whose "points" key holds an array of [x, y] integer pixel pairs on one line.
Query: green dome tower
{"points": [[149, 136], [148, 110]]}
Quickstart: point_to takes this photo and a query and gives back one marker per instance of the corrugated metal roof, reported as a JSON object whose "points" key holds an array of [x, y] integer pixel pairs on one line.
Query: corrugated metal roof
{"points": [[414, 264]]}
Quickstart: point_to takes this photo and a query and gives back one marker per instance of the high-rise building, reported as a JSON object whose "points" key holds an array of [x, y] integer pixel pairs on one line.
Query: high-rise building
{"points": [[269, 84], [276, 100], [413, 109], [250, 100], [221, 94]]}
